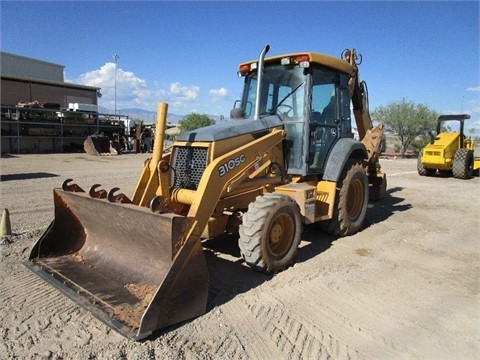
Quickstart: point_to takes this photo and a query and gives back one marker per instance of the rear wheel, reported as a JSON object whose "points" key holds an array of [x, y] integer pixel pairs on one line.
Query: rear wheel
{"points": [[270, 232], [463, 164], [351, 200]]}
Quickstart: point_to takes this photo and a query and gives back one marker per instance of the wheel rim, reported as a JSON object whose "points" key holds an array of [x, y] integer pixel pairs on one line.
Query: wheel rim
{"points": [[281, 235], [355, 199]]}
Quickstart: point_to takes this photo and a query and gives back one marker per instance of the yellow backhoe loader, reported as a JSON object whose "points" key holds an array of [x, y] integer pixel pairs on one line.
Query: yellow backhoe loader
{"points": [[286, 158]]}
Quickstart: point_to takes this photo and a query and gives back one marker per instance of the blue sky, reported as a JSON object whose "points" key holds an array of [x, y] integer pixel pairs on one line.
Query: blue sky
{"points": [[187, 53]]}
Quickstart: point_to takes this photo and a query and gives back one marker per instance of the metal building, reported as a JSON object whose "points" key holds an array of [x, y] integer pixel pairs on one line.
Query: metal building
{"points": [[23, 66], [40, 112], [26, 80]]}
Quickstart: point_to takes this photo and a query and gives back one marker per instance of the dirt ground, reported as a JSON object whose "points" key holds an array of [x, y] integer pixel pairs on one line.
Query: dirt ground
{"points": [[405, 287]]}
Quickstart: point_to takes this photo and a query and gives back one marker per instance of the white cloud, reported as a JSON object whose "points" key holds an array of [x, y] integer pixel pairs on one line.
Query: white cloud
{"points": [[181, 92], [218, 94], [128, 89], [131, 91], [476, 110], [476, 89]]}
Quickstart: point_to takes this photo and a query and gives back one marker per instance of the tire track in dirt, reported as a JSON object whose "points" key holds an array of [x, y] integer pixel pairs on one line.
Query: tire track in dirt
{"points": [[47, 324], [38, 309], [294, 332], [29, 291], [213, 339], [228, 346], [346, 329], [260, 344], [426, 269]]}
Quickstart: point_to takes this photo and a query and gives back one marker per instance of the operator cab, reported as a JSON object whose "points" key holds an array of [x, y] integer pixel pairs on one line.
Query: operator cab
{"points": [[452, 124], [311, 99]]}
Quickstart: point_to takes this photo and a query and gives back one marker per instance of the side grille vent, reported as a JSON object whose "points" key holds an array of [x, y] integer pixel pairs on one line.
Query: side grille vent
{"points": [[189, 163]]}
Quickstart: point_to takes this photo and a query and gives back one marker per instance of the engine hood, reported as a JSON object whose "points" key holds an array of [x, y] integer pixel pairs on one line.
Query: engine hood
{"points": [[230, 129]]}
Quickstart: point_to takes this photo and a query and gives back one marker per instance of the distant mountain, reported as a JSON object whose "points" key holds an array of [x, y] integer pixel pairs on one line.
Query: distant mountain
{"points": [[147, 116], [150, 117]]}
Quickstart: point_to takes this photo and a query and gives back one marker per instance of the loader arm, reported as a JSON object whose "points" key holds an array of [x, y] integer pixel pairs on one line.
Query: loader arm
{"points": [[212, 185], [148, 183]]}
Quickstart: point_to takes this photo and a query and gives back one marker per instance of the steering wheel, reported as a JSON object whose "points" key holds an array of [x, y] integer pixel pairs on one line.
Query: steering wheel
{"points": [[289, 109]]}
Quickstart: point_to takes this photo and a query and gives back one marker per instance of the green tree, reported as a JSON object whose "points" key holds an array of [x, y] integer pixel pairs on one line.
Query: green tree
{"points": [[194, 121], [409, 121]]}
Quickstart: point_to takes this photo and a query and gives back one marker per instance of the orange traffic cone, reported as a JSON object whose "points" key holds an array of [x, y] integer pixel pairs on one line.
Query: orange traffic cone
{"points": [[5, 227]]}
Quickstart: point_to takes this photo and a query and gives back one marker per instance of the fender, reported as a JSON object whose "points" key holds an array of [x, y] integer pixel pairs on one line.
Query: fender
{"points": [[343, 150]]}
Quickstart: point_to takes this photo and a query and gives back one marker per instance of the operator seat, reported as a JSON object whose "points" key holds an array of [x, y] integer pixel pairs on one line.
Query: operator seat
{"points": [[328, 113], [316, 116]]}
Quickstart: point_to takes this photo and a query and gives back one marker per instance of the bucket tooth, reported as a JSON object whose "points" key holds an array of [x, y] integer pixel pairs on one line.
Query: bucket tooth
{"points": [[118, 198], [97, 194], [71, 187]]}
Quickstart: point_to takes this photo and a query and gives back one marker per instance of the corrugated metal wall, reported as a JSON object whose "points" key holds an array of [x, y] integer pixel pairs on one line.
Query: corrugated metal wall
{"points": [[15, 90], [12, 64]]}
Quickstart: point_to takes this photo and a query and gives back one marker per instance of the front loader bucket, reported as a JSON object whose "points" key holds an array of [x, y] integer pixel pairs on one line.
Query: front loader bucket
{"points": [[128, 266]]}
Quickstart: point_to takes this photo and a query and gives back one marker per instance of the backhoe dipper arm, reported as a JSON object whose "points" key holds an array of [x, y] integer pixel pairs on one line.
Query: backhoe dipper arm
{"points": [[369, 136], [359, 95]]}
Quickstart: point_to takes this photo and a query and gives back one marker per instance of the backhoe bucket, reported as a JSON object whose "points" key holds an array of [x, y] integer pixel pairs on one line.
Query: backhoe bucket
{"points": [[98, 145], [128, 266]]}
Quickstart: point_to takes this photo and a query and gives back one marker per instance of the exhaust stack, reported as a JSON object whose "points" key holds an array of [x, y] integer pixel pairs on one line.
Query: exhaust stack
{"points": [[259, 81]]}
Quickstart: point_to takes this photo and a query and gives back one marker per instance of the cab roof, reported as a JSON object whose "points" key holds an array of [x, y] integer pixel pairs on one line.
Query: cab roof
{"points": [[322, 59]]}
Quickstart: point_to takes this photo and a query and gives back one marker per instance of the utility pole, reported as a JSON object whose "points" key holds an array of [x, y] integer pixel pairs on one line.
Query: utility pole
{"points": [[115, 56]]}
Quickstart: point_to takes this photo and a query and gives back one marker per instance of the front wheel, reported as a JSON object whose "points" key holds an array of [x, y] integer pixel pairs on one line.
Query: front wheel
{"points": [[270, 232], [463, 164], [351, 200]]}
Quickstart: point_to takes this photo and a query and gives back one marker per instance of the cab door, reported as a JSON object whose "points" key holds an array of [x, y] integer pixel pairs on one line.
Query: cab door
{"points": [[324, 117]]}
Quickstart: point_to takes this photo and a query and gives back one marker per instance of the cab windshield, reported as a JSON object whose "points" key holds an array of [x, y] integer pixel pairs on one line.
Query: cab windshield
{"points": [[313, 104], [283, 92]]}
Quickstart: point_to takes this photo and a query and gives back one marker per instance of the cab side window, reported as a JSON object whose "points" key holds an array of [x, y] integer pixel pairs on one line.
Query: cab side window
{"points": [[324, 103]]}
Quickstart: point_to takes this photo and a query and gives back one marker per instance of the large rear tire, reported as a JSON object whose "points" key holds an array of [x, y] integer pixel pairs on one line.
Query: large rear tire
{"points": [[351, 200], [463, 164], [270, 232]]}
